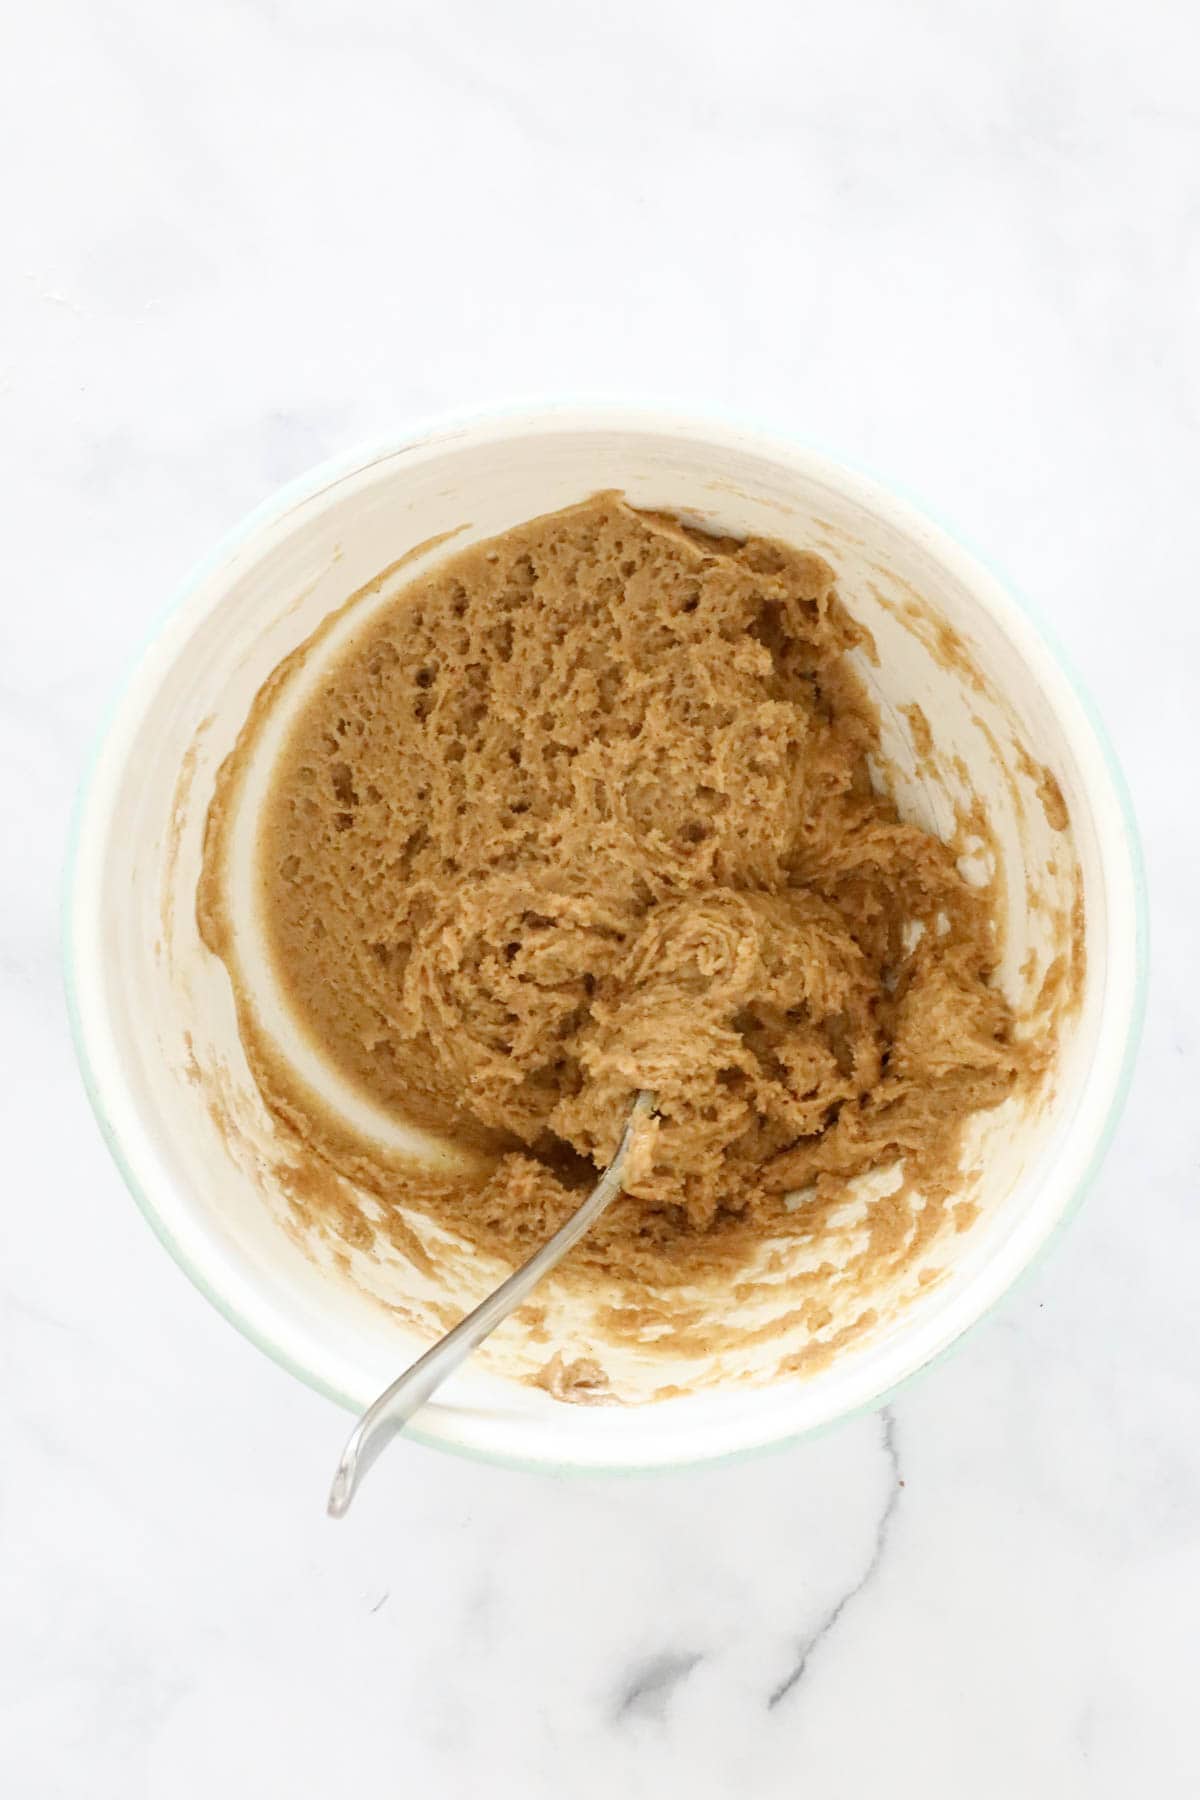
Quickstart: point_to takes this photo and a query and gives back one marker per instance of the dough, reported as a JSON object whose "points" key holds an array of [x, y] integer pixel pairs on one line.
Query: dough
{"points": [[590, 809]]}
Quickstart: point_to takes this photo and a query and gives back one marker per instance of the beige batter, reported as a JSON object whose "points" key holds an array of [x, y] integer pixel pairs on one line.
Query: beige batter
{"points": [[589, 809]]}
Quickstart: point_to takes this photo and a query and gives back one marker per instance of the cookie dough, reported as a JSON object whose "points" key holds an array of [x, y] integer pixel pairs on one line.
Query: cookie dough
{"points": [[590, 809]]}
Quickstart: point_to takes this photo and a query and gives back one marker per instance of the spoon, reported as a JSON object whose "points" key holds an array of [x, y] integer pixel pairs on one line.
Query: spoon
{"points": [[386, 1417]]}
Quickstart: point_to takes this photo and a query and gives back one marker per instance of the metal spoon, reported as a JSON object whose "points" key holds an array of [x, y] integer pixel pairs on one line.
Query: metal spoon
{"points": [[388, 1415]]}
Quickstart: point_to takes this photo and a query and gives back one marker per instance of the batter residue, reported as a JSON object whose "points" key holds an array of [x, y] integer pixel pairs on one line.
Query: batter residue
{"points": [[589, 809]]}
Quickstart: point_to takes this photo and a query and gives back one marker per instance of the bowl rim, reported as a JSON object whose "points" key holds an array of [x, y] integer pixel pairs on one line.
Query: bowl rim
{"points": [[100, 1064]]}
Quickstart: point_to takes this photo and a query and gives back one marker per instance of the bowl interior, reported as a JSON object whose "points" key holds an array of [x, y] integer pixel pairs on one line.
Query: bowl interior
{"points": [[155, 1011]]}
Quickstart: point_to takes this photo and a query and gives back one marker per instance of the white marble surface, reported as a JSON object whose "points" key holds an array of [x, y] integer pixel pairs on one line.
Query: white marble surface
{"points": [[957, 244]]}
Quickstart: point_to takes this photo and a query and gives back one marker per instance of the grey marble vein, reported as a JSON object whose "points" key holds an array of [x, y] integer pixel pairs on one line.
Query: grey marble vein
{"points": [[811, 1643], [647, 1691]]}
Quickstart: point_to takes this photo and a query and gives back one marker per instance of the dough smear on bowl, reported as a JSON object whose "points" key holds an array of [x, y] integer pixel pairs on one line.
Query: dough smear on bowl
{"points": [[590, 808]]}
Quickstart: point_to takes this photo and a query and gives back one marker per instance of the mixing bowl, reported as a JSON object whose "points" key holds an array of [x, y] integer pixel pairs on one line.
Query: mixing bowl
{"points": [[153, 1012]]}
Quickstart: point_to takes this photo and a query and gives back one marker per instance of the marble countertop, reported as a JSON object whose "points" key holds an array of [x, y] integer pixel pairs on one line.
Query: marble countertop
{"points": [[958, 246]]}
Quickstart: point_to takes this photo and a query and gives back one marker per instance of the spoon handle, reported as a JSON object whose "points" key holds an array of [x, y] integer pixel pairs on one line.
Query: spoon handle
{"points": [[388, 1415]]}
